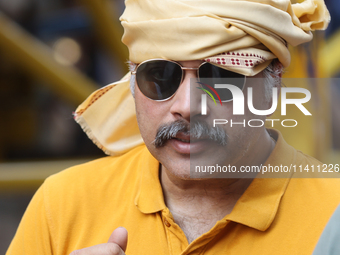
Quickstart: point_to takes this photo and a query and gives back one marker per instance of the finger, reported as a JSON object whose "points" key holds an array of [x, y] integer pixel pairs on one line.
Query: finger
{"points": [[100, 249], [120, 237]]}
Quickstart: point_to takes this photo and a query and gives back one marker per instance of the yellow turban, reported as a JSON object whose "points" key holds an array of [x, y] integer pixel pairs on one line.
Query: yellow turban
{"points": [[256, 30], [203, 29]]}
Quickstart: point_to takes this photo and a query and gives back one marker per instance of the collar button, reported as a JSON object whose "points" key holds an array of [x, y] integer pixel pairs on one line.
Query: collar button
{"points": [[167, 223]]}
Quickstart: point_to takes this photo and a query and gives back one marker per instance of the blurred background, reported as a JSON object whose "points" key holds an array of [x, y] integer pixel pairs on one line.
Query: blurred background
{"points": [[54, 53]]}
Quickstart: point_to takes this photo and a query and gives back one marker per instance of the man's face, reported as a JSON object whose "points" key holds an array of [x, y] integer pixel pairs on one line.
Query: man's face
{"points": [[177, 153]]}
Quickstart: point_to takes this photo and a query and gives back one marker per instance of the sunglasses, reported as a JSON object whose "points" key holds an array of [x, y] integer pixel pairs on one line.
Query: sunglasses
{"points": [[159, 79]]}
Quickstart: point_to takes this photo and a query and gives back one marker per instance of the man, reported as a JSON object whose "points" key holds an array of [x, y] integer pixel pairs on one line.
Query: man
{"points": [[147, 190]]}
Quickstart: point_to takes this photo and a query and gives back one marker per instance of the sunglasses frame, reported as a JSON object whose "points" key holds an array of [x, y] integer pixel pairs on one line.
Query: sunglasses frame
{"points": [[134, 72]]}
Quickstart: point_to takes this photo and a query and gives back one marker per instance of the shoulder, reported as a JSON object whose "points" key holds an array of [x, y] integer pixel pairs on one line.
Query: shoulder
{"points": [[316, 194], [110, 167], [320, 181], [101, 180], [310, 189], [72, 205]]}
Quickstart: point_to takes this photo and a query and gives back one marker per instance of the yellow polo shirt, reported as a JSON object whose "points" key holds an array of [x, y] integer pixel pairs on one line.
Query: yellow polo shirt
{"points": [[81, 206]]}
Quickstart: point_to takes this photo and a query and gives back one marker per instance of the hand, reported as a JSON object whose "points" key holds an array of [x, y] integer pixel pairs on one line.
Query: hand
{"points": [[115, 246]]}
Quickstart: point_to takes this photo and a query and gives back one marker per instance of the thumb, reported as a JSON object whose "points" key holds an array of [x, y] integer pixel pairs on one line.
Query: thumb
{"points": [[120, 237]]}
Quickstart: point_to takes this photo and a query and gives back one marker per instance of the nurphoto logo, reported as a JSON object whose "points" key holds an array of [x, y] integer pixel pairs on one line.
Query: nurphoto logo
{"points": [[238, 101]]}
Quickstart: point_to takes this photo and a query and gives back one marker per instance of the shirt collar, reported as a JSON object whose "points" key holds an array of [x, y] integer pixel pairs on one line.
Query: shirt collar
{"points": [[259, 204], [149, 198]]}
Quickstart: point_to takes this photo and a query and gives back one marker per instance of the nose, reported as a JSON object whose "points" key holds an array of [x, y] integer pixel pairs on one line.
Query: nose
{"points": [[187, 101]]}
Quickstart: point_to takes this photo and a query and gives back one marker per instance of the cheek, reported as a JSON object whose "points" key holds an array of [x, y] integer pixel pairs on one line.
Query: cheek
{"points": [[259, 100], [148, 116]]}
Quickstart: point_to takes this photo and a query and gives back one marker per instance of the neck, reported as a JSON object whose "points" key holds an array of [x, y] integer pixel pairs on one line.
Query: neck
{"points": [[196, 206], [216, 194]]}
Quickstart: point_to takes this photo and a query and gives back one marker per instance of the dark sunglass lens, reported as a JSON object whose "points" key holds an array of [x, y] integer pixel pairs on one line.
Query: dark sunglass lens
{"points": [[210, 75], [158, 79]]}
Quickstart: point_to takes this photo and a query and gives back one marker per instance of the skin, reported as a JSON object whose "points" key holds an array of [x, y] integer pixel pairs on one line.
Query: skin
{"points": [[184, 196], [116, 245]]}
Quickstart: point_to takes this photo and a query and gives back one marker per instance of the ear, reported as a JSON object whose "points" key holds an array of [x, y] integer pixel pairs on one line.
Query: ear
{"points": [[270, 102]]}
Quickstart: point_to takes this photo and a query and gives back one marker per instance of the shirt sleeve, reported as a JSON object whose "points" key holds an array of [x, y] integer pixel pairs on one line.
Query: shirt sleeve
{"points": [[33, 235], [329, 241]]}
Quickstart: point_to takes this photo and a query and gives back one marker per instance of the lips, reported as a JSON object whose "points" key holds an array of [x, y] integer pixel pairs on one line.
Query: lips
{"points": [[182, 137], [182, 144], [182, 140]]}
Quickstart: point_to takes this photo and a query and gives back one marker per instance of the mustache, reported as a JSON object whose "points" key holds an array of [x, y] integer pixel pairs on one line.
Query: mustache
{"points": [[196, 130]]}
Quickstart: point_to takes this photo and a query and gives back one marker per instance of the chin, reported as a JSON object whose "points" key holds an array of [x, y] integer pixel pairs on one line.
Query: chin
{"points": [[179, 170], [184, 173]]}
